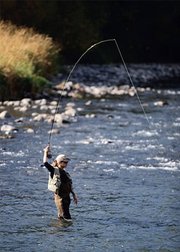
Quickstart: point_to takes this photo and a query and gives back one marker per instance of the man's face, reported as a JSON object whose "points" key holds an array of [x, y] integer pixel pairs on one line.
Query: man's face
{"points": [[62, 164]]}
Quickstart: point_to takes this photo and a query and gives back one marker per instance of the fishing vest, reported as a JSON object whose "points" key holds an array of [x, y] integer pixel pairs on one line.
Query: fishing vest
{"points": [[55, 182]]}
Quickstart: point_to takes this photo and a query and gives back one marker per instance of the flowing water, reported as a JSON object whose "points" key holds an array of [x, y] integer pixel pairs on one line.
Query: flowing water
{"points": [[125, 172]]}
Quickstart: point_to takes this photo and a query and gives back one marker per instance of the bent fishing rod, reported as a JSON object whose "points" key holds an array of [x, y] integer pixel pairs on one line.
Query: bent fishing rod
{"points": [[70, 73]]}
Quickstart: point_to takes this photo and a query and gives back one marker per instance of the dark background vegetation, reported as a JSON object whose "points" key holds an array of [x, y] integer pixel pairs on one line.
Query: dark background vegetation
{"points": [[146, 31]]}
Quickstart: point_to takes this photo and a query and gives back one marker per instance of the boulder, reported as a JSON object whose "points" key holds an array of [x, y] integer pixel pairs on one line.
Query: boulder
{"points": [[6, 128], [5, 114], [26, 102]]}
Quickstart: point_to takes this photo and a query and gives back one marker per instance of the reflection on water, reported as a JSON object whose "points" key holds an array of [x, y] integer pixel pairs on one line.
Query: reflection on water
{"points": [[126, 175]]}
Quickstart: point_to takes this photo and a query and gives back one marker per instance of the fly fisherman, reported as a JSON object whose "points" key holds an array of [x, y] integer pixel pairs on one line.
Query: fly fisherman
{"points": [[60, 183]]}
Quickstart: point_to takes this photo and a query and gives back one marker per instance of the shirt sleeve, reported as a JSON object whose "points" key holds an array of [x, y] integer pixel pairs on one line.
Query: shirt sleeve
{"points": [[50, 168]]}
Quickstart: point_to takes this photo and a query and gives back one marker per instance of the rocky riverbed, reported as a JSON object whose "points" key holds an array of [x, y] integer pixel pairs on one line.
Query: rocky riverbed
{"points": [[23, 114], [87, 82]]}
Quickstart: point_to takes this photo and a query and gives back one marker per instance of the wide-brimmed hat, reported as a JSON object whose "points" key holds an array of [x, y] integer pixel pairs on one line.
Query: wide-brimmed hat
{"points": [[61, 158]]}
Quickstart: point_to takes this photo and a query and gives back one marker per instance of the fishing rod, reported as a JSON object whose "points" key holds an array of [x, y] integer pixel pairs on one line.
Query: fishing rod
{"points": [[74, 66]]}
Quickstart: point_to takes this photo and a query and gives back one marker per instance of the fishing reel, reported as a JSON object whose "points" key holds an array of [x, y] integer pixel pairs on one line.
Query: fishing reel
{"points": [[49, 155]]}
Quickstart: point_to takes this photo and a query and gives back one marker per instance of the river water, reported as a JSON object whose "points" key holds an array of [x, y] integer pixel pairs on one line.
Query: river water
{"points": [[125, 172]]}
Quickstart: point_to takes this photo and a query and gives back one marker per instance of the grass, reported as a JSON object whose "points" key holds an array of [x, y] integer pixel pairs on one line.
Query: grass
{"points": [[27, 60]]}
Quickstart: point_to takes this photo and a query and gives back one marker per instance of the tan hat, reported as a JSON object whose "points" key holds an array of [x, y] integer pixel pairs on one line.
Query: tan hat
{"points": [[61, 158]]}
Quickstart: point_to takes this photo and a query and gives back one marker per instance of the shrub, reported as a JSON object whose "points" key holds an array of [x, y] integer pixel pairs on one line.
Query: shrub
{"points": [[27, 59]]}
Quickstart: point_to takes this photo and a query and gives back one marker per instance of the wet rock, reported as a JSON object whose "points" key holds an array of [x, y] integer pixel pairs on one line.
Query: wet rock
{"points": [[34, 114], [90, 115], [53, 103], [160, 103], [19, 120], [5, 114], [6, 128], [41, 102], [88, 103], [44, 107], [26, 102], [64, 86], [59, 118], [132, 91], [40, 117], [30, 131], [70, 112], [23, 109], [65, 119], [54, 131], [110, 116]]}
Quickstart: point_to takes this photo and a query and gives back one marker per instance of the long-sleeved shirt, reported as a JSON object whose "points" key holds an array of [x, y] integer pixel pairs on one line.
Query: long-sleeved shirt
{"points": [[66, 182]]}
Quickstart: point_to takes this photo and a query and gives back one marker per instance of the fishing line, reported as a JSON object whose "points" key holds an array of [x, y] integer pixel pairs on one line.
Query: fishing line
{"points": [[74, 66]]}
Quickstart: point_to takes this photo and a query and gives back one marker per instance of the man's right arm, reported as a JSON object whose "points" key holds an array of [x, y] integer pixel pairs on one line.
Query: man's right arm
{"points": [[46, 164], [50, 168]]}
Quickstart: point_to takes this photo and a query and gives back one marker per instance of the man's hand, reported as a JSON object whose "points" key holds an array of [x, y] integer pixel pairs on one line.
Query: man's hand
{"points": [[46, 153], [75, 198], [47, 149]]}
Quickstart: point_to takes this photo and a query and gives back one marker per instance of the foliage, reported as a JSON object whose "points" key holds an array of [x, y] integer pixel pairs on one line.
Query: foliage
{"points": [[26, 60]]}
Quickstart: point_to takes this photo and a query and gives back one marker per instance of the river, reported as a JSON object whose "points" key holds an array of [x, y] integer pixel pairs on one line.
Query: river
{"points": [[124, 170]]}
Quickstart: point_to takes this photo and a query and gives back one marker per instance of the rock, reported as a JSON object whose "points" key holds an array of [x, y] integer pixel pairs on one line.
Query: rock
{"points": [[8, 128], [12, 103], [160, 103], [34, 114], [70, 105], [41, 102], [49, 119], [44, 107], [70, 112], [40, 117], [34, 106], [29, 130], [5, 114], [54, 131], [90, 115], [59, 118], [19, 120], [53, 103], [23, 109], [88, 103], [64, 86], [26, 102]]}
